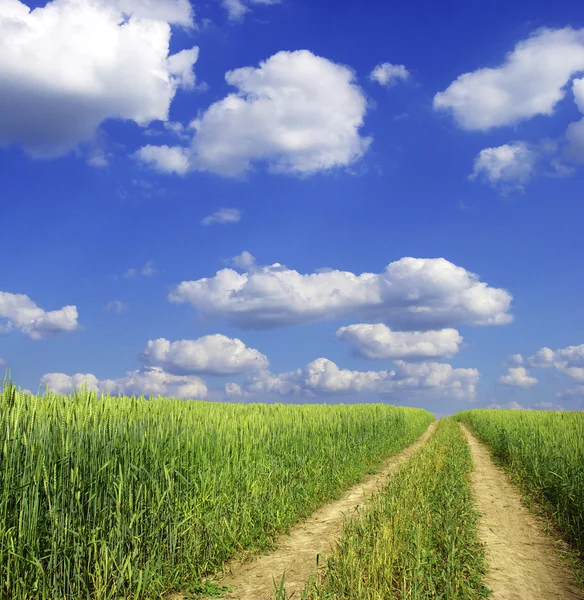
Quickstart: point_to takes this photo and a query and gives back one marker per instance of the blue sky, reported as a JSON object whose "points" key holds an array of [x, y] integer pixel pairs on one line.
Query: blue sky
{"points": [[253, 200]]}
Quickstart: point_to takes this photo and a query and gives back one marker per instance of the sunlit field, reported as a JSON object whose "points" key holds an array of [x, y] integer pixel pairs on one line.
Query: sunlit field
{"points": [[105, 497]]}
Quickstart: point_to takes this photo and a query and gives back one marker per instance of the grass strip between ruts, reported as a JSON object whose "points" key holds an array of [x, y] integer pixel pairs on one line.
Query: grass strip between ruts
{"points": [[417, 538]]}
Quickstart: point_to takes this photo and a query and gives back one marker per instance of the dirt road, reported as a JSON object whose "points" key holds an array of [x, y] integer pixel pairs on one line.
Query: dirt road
{"points": [[297, 551], [523, 561]]}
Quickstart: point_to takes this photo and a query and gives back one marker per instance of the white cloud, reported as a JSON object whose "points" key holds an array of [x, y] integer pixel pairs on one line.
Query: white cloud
{"points": [[387, 74], [297, 112], [323, 377], [211, 354], [233, 390], [72, 64], [149, 381], [223, 216], [22, 313], [410, 294], [509, 165], [515, 360], [116, 306], [242, 261], [569, 360], [518, 377], [3, 362], [164, 159], [530, 82], [509, 406], [177, 12], [237, 9], [377, 341]]}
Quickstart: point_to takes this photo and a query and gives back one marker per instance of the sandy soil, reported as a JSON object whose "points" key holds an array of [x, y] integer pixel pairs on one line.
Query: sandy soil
{"points": [[297, 551], [523, 561]]}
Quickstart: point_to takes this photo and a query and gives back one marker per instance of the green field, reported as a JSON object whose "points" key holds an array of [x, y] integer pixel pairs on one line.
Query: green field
{"points": [[109, 498], [129, 498]]}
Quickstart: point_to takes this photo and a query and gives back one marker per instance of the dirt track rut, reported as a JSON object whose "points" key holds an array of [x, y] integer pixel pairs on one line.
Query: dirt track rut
{"points": [[297, 551], [523, 560]]}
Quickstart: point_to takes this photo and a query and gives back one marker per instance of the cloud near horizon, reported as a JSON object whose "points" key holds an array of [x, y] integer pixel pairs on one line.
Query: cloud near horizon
{"points": [[322, 377], [377, 341], [411, 294]]}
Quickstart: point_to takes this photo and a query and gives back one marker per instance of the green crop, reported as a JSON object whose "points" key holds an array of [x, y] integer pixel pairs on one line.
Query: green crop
{"points": [[107, 498]]}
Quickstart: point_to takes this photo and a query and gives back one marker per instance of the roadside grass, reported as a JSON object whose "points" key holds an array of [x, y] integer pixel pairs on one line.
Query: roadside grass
{"points": [[107, 498], [417, 538], [543, 453]]}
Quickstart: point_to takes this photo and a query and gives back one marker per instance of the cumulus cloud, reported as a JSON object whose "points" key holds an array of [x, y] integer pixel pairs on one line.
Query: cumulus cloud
{"points": [[148, 381], [531, 81], [507, 166], [412, 294], [70, 65], [377, 341], [223, 216], [211, 354], [298, 113], [569, 360], [242, 261], [518, 377], [164, 159], [515, 360], [20, 312], [237, 9], [387, 74], [323, 377]]}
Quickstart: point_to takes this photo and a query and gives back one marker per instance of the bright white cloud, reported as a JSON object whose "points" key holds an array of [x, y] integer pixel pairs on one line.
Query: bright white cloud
{"points": [[569, 360], [377, 341], [530, 82], [149, 381], [223, 216], [298, 113], [20, 312], [72, 64], [211, 354], [410, 294], [242, 261], [164, 159], [518, 377], [508, 166], [387, 74], [323, 377]]}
